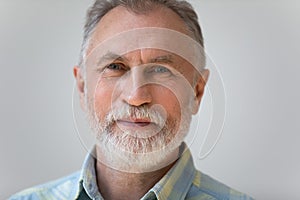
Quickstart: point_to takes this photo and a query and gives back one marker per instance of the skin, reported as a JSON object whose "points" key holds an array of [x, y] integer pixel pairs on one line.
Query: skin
{"points": [[115, 184]]}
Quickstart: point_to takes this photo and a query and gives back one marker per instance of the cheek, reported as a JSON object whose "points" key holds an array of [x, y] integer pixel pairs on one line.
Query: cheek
{"points": [[101, 94], [176, 100], [168, 100], [175, 95]]}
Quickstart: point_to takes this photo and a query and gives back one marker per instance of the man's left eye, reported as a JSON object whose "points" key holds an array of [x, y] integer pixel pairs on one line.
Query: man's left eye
{"points": [[161, 69]]}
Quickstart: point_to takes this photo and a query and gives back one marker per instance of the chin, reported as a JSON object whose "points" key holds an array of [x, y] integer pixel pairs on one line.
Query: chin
{"points": [[132, 157]]}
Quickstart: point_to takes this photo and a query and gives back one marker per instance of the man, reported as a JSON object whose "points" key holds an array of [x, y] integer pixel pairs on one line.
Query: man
{"points": [[140, 78]]}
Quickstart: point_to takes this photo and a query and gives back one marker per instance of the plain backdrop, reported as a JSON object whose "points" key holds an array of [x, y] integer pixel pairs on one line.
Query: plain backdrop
{"points": [[254, 44]]}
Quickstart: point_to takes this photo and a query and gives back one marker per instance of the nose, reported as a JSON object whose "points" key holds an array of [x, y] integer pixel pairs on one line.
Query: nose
{"points": [[136, 91], [138, 97]]}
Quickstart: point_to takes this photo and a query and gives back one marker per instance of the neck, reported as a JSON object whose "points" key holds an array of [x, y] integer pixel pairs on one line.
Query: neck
{"points": [[119, 185]]}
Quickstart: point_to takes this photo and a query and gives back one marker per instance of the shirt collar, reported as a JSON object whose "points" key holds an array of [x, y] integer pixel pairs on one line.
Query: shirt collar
{"points": [[174, 185], [88, 176]]}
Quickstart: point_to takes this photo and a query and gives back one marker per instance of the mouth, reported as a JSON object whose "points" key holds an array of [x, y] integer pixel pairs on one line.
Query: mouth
{"points": [[138, 127], [134, 122]]}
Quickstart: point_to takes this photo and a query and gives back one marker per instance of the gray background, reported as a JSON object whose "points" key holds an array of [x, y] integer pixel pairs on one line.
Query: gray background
{"points": [[255, 45]]}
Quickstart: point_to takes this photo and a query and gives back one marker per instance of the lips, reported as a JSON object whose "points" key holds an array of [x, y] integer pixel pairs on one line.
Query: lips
{"points": [[138, 127], [134, 122]]}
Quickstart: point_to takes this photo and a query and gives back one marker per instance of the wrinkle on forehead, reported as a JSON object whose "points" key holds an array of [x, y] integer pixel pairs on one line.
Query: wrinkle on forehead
{"points": [[140, 57], [120, 19]]}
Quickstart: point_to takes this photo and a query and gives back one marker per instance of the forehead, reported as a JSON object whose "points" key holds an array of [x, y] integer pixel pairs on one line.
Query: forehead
{"points": [[120, 19]]}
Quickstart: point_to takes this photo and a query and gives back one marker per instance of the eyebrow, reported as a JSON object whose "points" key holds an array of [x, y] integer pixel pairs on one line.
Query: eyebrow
{"points": [[167, 59], [110, 56]]}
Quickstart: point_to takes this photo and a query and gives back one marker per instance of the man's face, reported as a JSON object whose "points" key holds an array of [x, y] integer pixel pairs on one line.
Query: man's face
{"points": [[143, 95], [140, 101]]}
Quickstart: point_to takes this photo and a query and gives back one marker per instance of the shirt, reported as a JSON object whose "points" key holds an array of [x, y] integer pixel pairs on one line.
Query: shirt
{"points": [[182, 181]]}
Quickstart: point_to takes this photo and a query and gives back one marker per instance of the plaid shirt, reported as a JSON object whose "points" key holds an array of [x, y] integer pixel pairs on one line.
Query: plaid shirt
{"points": [[183, 181]]}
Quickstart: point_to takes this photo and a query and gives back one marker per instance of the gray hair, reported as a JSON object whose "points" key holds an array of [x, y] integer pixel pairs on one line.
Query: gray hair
{"points": [[101, 7]]}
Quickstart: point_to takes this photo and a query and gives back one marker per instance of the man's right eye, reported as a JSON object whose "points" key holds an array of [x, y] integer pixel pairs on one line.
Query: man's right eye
{"points": [[115, 66], [114, 70]]}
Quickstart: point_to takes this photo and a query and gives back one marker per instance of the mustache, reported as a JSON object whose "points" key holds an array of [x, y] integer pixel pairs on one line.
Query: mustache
{"points": [[156, 114]]}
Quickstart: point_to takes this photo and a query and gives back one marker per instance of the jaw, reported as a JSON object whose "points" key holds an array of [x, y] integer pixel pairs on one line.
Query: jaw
{"points": [[128, 162]]}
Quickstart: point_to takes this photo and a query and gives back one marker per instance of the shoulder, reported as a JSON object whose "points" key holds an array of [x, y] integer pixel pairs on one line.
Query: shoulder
{"points": [[62, 188], [206, 187]]}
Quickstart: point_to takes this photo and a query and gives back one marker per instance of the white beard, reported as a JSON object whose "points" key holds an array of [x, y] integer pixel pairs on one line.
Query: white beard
{"points": [[127, 151]]}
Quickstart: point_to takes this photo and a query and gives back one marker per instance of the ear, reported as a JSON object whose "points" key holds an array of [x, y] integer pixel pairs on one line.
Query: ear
{"points": [[199, 90], [78, 74]]}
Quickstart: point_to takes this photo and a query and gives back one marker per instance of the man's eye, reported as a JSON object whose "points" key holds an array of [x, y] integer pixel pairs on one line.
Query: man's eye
{"points": [[114, 70], [161, 69], [115, 66]]}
